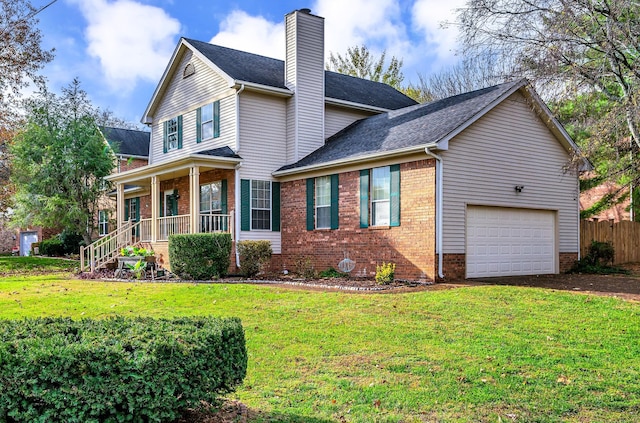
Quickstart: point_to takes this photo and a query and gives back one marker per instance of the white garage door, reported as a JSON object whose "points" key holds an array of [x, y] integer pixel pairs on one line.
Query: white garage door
{"points": [[507, 242]]}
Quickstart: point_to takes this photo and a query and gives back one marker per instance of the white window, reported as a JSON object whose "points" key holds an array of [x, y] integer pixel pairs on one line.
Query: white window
{"points": [[206, 123], [210, 198], [381, 196], [261, 205], [172, 134], [103, 222], [323, 202]]}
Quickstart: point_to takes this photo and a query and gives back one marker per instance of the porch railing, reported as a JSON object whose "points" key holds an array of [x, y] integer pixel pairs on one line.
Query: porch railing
{"points": [[172, 225], [107, 248]]}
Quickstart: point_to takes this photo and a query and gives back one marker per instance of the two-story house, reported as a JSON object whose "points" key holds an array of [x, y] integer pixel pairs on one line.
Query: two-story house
{"points": [[327, 166]]}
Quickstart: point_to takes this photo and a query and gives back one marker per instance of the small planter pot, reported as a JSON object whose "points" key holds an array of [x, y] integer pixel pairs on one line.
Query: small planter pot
{"points": [[123, 261]]}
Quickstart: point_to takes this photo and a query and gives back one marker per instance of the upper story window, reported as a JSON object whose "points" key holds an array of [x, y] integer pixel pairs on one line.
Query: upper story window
{"points": [[380, 196], [172, 134], [208, 121]]}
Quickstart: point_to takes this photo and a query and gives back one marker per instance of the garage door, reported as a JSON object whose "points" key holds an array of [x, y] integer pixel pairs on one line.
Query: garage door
{"points": [[507, 242]]}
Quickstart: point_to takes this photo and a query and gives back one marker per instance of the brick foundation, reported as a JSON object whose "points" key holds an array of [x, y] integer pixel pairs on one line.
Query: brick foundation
{"points": [[454, 267], [567, 260], [411, 246]]}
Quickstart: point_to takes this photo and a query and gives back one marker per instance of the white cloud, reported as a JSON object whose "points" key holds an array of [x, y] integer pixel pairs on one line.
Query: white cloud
{"points": [[428, 17], [375, 23], [254, 34], [131, 41]]}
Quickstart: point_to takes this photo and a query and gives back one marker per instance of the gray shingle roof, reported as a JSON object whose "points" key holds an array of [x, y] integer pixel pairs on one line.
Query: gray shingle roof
{"points": [[412, 126], [128, 142], [249, 67], [220, 152]]}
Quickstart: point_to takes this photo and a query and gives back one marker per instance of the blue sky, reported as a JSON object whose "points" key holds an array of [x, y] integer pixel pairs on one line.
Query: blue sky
{"points": [[120, 48]]}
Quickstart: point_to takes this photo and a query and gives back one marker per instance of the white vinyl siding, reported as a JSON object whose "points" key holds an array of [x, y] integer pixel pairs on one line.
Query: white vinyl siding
{"points": [[508, 146], [305, 75], [182, 97], [338, 118], [262, 146]]}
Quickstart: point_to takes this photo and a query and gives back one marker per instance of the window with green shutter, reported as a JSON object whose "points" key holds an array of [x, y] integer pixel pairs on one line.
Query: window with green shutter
{"points": [[322, 203], [172, 134], [208, 121], [380, 196]]}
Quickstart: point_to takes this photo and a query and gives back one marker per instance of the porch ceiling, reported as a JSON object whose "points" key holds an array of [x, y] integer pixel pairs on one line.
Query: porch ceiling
{"points": [[173, 169]]}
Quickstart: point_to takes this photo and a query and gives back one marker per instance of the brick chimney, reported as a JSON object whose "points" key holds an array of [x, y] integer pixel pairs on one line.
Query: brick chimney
{"points": [[304, 75]]}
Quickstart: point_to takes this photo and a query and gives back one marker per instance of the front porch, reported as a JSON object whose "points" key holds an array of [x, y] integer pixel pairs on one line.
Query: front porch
{"points": [[191, 195]]}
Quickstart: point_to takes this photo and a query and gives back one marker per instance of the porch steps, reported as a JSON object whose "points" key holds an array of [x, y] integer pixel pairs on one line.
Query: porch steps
{"points": [[107, 249]]}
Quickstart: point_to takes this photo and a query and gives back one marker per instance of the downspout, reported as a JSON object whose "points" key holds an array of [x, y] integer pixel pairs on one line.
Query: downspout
{"points": [[439, 206], [236, 216]]}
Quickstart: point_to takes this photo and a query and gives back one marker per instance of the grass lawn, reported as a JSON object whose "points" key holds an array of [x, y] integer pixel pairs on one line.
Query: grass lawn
{"points": [[488, 354]]}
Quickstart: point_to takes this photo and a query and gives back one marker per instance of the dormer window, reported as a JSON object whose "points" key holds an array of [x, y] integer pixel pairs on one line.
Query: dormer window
{"points": [[189, 70]]}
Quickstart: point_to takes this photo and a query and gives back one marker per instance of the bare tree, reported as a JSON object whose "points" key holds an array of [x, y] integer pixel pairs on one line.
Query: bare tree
{"points": [[472, 73]]}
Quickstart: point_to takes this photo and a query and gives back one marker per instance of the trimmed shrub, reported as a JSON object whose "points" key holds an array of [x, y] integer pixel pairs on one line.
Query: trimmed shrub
{"points": [[200, 256], [118, 369], [385, 273], [253, 256], [51, 247]]}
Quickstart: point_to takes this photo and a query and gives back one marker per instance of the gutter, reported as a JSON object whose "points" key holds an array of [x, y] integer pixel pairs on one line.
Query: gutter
{"points": [[439, 205]]}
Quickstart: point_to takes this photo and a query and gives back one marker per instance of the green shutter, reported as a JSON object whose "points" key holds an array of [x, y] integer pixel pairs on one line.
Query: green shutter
{"points": [[161, 204], [198, 124], [137, 199], [165, 137], [311, 196], [275, 206], [216, 119], [126, 209], [245, 205], [334, 202], [223, 201], [174, 203], [364, 198], [395, 195], [179, 131], [223, 196]]}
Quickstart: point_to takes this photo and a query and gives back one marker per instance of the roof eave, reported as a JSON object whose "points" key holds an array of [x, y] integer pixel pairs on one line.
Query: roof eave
{"points": [[364, 158], [354, 105], [143, 172], [267, 89]]}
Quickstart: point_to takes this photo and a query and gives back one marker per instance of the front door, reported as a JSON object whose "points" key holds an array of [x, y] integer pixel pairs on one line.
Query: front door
{"points": [[170, 207]]}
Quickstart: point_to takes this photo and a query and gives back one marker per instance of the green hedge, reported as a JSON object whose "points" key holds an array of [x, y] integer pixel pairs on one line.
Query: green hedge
{"points": [[119, 369], [253, 256], [52, 247], [200, 256]]}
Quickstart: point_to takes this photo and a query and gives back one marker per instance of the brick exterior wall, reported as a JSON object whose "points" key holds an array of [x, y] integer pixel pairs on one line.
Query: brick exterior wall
{"points": [[567, 260], [411, 246], [454, 267], [126, 164]]}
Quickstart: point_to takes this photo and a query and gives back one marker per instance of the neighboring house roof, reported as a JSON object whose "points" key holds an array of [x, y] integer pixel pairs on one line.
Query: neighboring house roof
{"points": [[127, 142], [220, 152], [411, 128], [243, 66]]}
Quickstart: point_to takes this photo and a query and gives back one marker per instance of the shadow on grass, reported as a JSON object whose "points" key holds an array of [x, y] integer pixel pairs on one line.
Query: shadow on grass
{"points": [[264, 417]]}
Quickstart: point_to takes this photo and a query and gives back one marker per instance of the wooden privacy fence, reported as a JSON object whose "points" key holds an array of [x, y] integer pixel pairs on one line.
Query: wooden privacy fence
{"points": [[624, 236]]}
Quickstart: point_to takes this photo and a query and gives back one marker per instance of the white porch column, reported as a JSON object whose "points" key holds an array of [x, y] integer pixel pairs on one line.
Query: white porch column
{"points": [[194, 199], [155, 207], [120, 204]]}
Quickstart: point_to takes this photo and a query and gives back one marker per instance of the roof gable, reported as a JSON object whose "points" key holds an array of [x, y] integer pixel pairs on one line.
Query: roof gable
{"points": [[417, 127], [239, 67], [127, 142]]}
